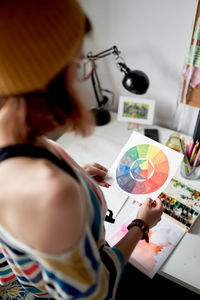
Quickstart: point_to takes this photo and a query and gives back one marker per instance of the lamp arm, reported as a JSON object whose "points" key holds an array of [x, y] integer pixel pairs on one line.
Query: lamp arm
{"points": [[100, 97], [97, 88], [113, 50]]}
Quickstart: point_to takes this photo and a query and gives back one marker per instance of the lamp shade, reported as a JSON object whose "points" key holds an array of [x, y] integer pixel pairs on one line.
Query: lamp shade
{"points": [[136, 81]]}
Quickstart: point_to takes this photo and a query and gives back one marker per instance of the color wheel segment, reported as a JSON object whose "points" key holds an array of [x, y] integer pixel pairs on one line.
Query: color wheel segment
{"points": [[143, 169]]}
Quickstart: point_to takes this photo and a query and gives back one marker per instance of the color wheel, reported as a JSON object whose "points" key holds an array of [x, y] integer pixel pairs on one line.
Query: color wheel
{"points": [[143, 169]]}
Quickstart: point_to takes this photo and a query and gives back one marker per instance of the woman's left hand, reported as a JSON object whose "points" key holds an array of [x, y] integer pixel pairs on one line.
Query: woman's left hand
{"points": [[98, 172]]}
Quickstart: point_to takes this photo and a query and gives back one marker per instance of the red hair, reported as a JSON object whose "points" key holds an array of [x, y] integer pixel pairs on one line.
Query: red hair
{"points": [[41, 113]]}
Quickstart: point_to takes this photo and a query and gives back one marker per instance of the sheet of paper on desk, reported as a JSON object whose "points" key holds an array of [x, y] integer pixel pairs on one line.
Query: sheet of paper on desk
{"points": [[142, 169], [163, 238], [103, 148]]}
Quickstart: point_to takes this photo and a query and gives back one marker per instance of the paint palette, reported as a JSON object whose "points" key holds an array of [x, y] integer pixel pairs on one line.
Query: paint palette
{"points": [[181, 202], [180, 212], [142, 169]]}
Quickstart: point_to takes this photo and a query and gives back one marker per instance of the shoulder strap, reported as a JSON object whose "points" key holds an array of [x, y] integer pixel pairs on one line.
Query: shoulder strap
{"points": [[28, 150]]}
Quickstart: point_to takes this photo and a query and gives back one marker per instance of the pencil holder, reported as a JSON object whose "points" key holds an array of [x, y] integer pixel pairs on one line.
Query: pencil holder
{"points": [[189, 172]]}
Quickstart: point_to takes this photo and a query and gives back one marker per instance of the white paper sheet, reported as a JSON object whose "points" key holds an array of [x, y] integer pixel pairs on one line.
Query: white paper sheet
{"points": [[163, 238], [142, 169]]}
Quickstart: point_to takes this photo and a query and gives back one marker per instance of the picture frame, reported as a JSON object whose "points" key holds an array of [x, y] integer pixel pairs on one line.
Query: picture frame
{"points": [[136, 110]]}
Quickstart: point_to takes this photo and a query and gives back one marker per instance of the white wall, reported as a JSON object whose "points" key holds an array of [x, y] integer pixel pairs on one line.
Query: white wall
{"points": [[154, 36]]}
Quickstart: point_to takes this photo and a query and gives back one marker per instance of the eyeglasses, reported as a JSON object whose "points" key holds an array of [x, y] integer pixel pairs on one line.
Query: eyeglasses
{"points": [[85, 68]]}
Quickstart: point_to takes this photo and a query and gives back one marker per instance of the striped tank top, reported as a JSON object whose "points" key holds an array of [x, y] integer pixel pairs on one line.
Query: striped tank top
{"points": [[91, 270]]}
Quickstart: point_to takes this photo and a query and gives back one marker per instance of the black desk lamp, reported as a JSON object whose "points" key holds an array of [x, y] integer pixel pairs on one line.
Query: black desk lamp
{"points": [[135, 82]]}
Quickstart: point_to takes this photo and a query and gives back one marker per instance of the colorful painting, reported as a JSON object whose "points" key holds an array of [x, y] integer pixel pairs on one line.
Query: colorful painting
{"points": [[142, 169], [136, 110], [149, 257]]}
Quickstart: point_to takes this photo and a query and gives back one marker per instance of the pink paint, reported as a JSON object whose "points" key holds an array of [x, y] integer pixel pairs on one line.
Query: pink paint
{"points": [[145, 255]]}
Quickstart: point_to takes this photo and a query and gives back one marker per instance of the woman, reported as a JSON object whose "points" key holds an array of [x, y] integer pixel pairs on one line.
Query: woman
{"points": [[52, 211]]}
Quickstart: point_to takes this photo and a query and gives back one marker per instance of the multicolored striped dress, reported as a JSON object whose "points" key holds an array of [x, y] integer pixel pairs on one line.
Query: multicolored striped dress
{"points": [[91, 270]]}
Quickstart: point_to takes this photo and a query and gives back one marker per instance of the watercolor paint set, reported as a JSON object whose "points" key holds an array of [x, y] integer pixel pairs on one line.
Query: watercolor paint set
{"points": [[181, 202], [180, 212]]}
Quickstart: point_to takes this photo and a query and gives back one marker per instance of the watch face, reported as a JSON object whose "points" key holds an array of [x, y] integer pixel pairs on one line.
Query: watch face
{"points": [[143, 169]]}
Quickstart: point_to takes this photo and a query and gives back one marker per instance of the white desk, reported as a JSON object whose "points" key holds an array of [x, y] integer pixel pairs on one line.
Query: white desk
{"points": [[183, 266]]}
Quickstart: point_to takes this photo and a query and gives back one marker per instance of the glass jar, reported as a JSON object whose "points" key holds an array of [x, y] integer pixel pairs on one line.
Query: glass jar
{"points": [[174, 142], [190, 172]]}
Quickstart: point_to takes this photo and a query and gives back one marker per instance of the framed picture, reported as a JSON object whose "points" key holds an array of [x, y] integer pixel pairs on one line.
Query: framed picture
{"points": [[136, 110]]}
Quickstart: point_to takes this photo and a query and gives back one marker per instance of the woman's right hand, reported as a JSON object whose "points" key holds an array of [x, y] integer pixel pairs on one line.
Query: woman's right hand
{"points": [[150, 212]]}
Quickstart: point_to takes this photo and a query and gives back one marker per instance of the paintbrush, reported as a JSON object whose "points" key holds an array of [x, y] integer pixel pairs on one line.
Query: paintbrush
{"points": [[186, 160]]}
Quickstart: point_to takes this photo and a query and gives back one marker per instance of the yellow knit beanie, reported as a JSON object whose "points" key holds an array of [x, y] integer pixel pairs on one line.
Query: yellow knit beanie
{"points": [[37, 40]]}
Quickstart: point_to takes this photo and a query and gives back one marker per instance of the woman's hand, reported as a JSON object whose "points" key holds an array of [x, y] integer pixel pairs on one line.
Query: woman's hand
{"points": [[98, 172], [151, 211]]}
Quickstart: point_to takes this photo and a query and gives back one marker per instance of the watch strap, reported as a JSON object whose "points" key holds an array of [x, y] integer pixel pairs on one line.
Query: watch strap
{"points": [[143, 226]]}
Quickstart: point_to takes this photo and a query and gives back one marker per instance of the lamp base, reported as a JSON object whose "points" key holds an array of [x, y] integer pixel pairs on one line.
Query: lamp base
{"points": [[101, 115]]}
